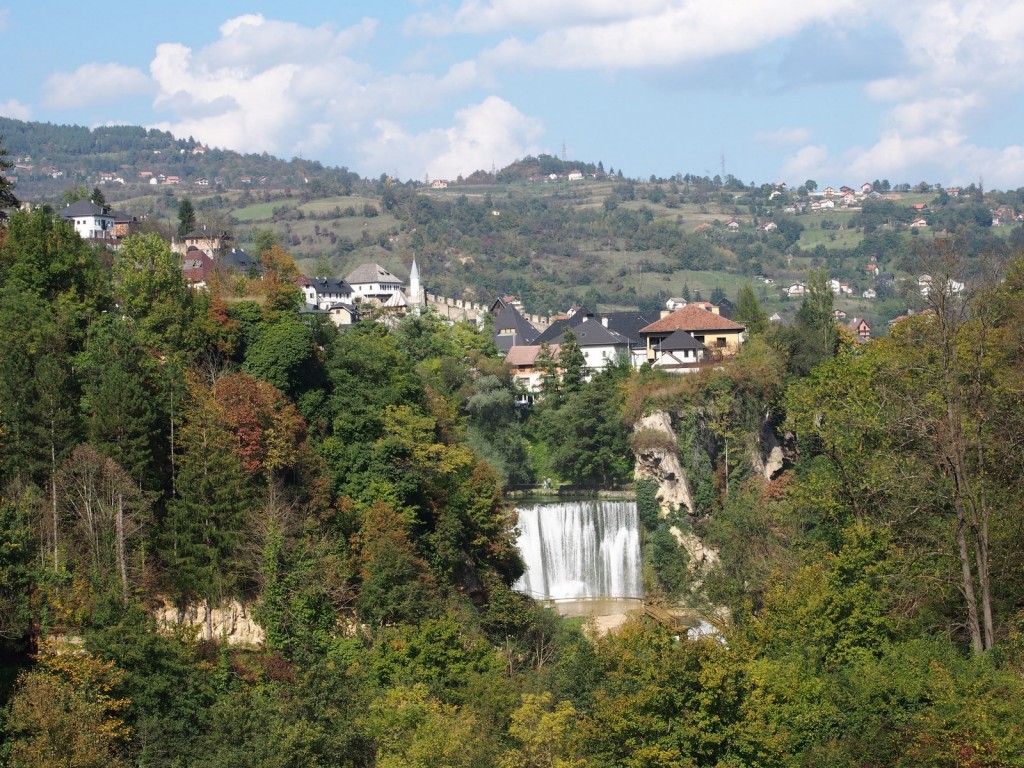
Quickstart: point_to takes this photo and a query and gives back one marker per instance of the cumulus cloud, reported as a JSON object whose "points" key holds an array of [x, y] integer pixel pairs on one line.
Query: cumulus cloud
{"points": [[783, 137], [668, 34], [15, 109], [962, 56], [108, 82], [477, 17], [807, 163], [492, 132], [280, 87]]}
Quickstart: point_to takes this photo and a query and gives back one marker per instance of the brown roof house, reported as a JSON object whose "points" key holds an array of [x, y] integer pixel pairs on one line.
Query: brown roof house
{"points": [[720, 335]]}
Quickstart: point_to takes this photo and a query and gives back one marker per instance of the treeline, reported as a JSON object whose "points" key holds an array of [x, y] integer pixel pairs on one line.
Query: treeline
{"points": [[80, 154]]}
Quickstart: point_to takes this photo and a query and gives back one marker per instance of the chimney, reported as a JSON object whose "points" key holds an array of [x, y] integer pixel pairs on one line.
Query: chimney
{"points": [[604, 321]]}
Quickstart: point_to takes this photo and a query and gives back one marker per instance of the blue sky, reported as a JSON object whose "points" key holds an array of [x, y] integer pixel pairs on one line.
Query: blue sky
{"points": [[840, 92]]}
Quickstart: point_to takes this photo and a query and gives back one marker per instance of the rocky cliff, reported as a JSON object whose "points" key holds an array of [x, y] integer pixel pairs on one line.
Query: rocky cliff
{"points": [[233, 621]]}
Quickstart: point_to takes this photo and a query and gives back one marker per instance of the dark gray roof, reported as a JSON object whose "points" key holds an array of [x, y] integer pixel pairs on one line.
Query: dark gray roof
{"points": [[84, 208], [593, 334], [628, 324], [678, 340], [331, 285], [238, 259], [557, 328], [206, 234], [512, 329]]}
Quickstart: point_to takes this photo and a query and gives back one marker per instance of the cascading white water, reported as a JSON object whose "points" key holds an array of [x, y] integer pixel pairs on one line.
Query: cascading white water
{"points": [[580, 549]]}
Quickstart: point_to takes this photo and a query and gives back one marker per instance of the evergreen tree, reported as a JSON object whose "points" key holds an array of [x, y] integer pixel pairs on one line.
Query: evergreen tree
{"points": [[571, 362], [119, 397], [186, 217], [749, 311], [203, 529]]}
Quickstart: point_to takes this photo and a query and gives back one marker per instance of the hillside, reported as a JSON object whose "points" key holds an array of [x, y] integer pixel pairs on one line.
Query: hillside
{"points": [[555, 232]]}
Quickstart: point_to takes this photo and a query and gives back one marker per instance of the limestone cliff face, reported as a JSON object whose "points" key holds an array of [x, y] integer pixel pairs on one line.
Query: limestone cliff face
{"points": [[233, 620], [770, 455], [658, 460]]}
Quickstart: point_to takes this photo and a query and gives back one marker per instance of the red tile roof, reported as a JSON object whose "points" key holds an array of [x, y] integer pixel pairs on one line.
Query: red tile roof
{"points": [[691, 318]]}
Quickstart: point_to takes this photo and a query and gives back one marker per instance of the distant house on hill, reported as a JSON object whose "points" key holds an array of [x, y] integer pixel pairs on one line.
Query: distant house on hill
{"points": [[322, 292], [238, 260], [860, 328], [213, 243], [714, 331], [678, 352], [511, 329], [196, 268], [91, 221], [373, 283]]}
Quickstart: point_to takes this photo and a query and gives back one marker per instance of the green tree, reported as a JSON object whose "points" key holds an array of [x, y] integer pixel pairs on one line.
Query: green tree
{"points": [[7, 198], [749, 311], [571, 362], [65, 713], [186, 217], [119, 400], [152, 292], [814, 336], [204, 526], [545, 734]]}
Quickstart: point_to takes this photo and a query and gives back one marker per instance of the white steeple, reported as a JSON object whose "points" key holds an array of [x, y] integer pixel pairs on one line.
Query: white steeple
{"points": [[415, 292]]}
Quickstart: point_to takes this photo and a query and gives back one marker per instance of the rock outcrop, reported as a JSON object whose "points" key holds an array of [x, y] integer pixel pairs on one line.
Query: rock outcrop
{"points": [[233, 621], [658, 460], [769, 456]]}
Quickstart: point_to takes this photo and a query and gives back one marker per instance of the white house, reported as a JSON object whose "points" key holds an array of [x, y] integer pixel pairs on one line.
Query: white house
{"points": [[796, 291], [373, 283], [91, 221], [323, 292]]}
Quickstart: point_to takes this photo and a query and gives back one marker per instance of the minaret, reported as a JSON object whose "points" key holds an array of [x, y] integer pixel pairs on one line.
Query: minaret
{"points": [[415, 292]]}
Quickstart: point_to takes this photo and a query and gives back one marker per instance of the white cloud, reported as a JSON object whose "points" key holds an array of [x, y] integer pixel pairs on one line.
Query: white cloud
{"points": [[477, 17], [267, 85], [783, 137], [671, 33], [92, 83], [492, 132], [808, 162], [962, 57], [15, 109]]}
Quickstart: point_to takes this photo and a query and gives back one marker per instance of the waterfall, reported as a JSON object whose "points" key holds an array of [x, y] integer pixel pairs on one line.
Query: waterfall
{"points": [[580, 549]]}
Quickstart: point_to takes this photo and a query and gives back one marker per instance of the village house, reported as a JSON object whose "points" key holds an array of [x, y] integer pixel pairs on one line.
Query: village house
{"points": [[322, 292], [860, 329], [373, 283], [717, 333], [527, 373], [678, 352], [511, 329], [91, 221], [207, 240]]}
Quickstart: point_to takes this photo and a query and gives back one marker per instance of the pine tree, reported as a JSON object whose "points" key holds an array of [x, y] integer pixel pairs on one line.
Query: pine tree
{"points": [[186, 217], [204, 524]]}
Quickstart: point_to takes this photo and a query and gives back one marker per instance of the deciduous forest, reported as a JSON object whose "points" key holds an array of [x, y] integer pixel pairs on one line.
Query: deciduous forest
{"points": [[165, 450]]}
